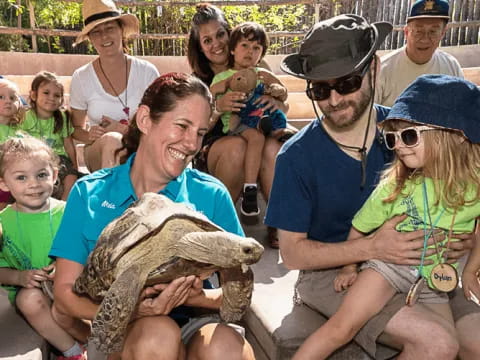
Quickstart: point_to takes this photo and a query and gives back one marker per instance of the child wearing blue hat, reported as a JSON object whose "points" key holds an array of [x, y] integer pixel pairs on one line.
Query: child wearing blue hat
{"points": [[434, 129]]}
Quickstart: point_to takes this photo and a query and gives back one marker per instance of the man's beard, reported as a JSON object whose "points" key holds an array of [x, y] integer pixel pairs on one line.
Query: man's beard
{"points": [[359, 107]]}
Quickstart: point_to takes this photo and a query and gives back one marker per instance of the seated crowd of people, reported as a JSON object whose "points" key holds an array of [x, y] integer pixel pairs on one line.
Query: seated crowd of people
{"points": [[376, 201]]}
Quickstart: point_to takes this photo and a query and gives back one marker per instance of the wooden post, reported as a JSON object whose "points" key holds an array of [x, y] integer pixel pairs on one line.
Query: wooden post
{"points": [[31, 13], [19, 23]]}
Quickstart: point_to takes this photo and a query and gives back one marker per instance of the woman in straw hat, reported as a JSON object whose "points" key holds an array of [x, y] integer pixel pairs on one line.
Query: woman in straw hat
{"points": [[105, 92]]}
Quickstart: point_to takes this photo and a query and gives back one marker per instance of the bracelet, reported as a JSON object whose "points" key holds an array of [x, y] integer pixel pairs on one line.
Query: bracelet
{"points": [[216, 113]]}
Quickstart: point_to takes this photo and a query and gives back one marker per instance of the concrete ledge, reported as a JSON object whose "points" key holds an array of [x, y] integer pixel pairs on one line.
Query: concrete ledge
{"points": [[17, 339]]}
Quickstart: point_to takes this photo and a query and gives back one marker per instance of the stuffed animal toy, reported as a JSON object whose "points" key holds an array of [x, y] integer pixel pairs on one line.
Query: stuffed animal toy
{"points": [[253, 115]]}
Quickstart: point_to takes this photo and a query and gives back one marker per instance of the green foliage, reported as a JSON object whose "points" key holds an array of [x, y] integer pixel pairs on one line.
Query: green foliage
{"points": [[55, 14]]}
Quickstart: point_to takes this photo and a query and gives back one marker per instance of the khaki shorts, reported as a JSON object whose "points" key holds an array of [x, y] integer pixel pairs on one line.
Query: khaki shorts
{"points": [[401, 277], [315, 290]]}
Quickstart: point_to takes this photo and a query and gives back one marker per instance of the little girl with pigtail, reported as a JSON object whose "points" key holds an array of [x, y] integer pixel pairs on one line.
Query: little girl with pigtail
{"points": [[46, 120]]}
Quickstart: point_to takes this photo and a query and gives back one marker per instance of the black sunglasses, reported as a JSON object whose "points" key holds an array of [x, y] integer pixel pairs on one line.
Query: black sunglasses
{"points": [[409, 136], [344, 85]]}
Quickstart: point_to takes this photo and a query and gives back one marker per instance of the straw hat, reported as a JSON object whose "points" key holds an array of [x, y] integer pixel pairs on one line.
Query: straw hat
{"points": [[100, 11]]}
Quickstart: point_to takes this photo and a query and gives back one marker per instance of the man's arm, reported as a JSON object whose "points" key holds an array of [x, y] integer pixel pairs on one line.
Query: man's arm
{"points": [[299, 252]]}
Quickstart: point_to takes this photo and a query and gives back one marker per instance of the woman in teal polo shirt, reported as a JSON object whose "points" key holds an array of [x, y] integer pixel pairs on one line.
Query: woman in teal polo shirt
{"points": [[164, 136]]}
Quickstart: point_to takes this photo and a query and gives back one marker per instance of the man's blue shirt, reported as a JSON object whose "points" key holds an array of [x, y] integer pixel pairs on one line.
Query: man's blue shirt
{"points": [[316, 188]]}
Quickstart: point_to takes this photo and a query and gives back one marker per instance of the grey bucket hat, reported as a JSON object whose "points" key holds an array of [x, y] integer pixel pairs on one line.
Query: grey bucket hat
{"points": [[336, 47]]}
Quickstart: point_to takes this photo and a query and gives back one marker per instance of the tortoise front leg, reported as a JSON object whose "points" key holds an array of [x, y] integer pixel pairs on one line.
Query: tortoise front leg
{"points": [[237, 287], [110, 324]]}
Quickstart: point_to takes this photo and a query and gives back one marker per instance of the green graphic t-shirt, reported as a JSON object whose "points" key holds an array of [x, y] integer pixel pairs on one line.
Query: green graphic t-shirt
{"points": [[27, 238], [43, 129], [375, 212]]}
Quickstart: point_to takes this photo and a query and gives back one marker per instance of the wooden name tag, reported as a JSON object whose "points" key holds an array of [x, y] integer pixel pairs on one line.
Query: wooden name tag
{"points": [[444, 277]]}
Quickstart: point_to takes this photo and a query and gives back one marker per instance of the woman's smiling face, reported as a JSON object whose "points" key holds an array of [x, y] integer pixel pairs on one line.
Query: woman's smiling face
{"points": [[214, 42], [175, 139], [107, 37]]}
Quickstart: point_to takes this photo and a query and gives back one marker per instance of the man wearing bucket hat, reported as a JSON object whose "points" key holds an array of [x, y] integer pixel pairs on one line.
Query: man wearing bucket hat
{"points": [[324, 174], [105, 93], [426, 127], [426, 27]]}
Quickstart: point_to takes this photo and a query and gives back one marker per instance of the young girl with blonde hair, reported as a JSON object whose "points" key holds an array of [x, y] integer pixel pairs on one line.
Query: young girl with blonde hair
{"points": [[434, 129], [28, 169], [11, 114]]}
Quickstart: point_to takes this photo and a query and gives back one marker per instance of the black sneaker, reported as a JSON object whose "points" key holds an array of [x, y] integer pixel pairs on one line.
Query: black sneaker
{"points": [[249, 205]]}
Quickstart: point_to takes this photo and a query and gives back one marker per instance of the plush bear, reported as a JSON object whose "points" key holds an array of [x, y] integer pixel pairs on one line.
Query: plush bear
{"points": [[253, 115]]}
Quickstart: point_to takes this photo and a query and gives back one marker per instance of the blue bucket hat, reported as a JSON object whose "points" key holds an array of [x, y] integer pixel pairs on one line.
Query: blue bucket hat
{"points": [[422, 9], [336, 47], [442, 101]]}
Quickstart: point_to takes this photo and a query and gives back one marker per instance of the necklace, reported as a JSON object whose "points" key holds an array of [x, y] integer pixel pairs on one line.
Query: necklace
{"points": [[126, 109], [443, 276], [363, 149]]}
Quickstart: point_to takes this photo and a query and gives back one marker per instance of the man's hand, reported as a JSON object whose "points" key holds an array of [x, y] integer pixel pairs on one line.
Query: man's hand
{"points": [[160, 299], [404, 248], [459, 245]]}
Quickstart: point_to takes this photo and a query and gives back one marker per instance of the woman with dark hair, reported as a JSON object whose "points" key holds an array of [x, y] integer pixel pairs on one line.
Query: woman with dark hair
{"points": [[163, 137], [223, 156], [104, 93]]}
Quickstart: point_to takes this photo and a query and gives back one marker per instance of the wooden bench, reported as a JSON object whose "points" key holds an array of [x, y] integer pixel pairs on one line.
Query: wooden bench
{"points": [[274, 326]]}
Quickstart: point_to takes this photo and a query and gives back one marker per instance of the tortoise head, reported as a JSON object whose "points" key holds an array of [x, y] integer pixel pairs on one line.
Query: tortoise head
{"points": [[219, 248]]}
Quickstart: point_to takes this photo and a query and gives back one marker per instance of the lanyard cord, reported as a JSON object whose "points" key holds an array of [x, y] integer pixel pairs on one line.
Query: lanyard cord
{"points": [[426, 235], [363, 149]]}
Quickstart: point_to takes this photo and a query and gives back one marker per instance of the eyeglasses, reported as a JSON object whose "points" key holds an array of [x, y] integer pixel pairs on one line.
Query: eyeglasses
{"points": [[410, 136], [432, 34], [344, 85]]}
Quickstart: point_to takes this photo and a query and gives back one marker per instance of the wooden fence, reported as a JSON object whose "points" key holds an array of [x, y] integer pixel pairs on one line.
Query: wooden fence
{"points": [[463, 29]]}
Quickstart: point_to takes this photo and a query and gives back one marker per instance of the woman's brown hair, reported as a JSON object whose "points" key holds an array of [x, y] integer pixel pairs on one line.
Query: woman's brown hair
{"points": [[196, 58]]}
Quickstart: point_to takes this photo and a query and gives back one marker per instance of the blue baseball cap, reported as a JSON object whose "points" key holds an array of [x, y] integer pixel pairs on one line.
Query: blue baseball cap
{"points": [[422, 9], [443, 101]]}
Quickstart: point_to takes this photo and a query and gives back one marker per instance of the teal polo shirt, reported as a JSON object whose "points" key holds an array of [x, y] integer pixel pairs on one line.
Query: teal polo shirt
{"points": [[97, 199]]}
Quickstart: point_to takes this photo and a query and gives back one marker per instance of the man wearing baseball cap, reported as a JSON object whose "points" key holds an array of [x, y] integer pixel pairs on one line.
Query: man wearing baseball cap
{"points": [[426, 27], [324, 174]]}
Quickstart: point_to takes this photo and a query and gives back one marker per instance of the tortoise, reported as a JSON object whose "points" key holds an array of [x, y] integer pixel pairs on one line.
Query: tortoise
{"points": [[155, 241]]}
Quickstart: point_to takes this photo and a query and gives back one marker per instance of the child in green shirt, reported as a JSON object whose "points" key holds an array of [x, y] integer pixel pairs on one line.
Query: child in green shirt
{"points": [[29, 169], [46, 120]]}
